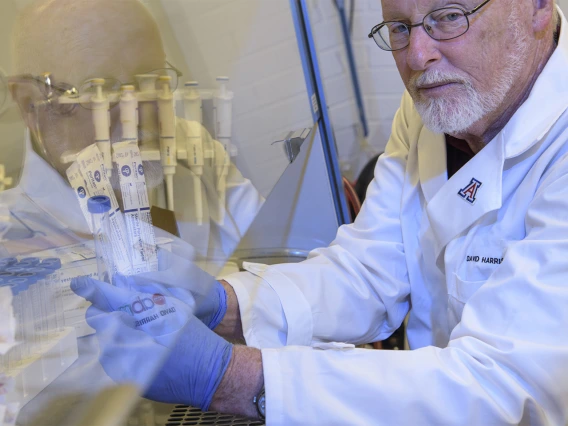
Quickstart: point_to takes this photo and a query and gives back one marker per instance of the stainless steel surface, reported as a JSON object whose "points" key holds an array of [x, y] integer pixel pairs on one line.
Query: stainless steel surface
{"points": [[183, 415]]}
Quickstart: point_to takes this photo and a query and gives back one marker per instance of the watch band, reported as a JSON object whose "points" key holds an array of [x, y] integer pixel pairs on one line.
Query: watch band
{"points": [[260, 402]]}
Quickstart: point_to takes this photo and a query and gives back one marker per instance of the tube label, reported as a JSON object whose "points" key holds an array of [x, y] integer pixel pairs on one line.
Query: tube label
{"points": [[91, 166], [136, 206], [81, 191]]}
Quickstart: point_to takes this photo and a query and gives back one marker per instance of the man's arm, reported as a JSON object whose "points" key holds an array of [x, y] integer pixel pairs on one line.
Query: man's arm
{"points": [[242, 381], [231, 327]]}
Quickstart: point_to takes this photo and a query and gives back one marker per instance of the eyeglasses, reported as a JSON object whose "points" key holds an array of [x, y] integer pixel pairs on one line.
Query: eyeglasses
{"points": [[446, 23], [43, 90]]}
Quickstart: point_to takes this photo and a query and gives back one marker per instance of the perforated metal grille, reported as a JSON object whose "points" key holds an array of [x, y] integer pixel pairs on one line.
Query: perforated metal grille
{"points": [[182, 415]]}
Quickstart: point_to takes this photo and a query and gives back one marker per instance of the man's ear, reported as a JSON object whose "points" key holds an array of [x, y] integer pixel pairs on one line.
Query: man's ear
{"points": [[543, 14], [24, 95]]}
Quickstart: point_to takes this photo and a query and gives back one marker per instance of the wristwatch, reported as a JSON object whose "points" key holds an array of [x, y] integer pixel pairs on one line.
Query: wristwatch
{"points": [[260, 402]]}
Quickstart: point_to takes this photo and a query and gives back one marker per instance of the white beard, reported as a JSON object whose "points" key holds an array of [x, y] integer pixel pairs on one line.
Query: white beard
{"points": [[457, 113]]}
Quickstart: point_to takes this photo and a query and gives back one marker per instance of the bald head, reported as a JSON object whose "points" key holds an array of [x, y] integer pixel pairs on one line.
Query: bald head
{"points": [[80, 39], [76, 40]]}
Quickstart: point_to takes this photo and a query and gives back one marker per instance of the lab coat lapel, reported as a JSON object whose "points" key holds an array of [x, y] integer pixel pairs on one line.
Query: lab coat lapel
{"points": [[431, 162], [473, 191]]}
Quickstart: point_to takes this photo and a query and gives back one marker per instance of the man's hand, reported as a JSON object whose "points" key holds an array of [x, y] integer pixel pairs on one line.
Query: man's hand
{"points": [[153, 340], [182, 279], [231, 327]]}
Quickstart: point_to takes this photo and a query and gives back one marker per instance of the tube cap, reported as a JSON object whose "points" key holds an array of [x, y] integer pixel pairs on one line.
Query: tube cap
{"points": [[29, 260], [16, 269], [29, 276], [98, 204], [222, 78], [191, 84], [9, 260], [7, 275], [51, 263], [41, 272]]}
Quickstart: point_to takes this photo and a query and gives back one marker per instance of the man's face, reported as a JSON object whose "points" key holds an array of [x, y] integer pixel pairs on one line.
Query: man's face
{"points": [[458, 83]]}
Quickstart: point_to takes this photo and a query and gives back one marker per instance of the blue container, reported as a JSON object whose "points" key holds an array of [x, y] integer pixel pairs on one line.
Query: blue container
{"points": [[16, 269], [27, 260], [29, 276], [41, 272], [51, 263]]}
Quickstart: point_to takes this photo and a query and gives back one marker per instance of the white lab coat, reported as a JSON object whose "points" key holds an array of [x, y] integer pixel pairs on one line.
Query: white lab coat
{"points": [[485, 285], [216, 238]]}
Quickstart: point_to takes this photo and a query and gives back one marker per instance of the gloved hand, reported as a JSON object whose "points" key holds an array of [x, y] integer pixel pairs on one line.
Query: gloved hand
{"points": [[153, 340], [185, 281]]}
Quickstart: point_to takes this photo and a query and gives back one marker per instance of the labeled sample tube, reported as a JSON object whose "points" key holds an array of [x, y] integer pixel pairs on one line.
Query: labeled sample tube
{"points": [[101, 120], [193, 109], [16, 354], [93, 171], [36, 299], [168, 150], [21, 285], [48, 305], [99, 208], [136, 207], [80, 187], [55, 289]]}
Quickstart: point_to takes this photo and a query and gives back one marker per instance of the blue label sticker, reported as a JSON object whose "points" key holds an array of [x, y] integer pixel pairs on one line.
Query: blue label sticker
{"points": [[81, 191], [140, 170], [98, 176], [126, 171]]}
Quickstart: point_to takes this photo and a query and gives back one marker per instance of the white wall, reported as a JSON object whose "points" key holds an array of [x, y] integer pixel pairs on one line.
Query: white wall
{"points": [[254, 43], [380, 83]]}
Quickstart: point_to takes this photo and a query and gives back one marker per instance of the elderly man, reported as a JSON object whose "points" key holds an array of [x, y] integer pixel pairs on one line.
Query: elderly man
{"points": [[464, 229], [87, 49]]}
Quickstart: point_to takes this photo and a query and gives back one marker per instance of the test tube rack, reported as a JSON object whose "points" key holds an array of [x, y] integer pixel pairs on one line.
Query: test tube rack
{"points": [[37, 372]]}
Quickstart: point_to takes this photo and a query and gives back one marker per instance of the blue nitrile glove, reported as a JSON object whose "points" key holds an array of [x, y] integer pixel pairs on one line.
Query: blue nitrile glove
{"points": [[185, 281], [154, 341]]}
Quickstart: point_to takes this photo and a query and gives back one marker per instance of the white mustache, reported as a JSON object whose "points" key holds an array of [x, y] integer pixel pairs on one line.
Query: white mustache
{"points": [[436, 78]]}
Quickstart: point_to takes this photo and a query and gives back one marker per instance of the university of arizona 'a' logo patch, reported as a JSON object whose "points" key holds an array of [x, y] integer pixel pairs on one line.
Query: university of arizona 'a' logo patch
{"points": [[470, 191]]}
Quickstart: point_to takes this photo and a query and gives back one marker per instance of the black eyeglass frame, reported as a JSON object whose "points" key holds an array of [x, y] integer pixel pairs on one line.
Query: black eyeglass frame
{"points": [[466, 13]]}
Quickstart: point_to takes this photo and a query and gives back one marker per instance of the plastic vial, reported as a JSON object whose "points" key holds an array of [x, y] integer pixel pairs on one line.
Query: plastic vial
{"points": [[99, 208], [47, 300], [21, 286]]}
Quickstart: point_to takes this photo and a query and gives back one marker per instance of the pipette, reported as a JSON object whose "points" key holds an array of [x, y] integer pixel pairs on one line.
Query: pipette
{"points": [[223, 109], [129, 113], [147, 116], [193, 108], [168, 153], [101, 120]]}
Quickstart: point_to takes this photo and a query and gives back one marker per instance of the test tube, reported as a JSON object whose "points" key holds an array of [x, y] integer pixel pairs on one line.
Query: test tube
{"points": [[99, 208], [54, 286], [6, 262], [36, 297], [47, 305], [20, 287]]}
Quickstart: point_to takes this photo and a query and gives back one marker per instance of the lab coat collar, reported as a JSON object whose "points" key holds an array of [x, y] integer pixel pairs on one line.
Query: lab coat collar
{"points": [[480, 180], [473, 191], [546, 103], [50, 192]]}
